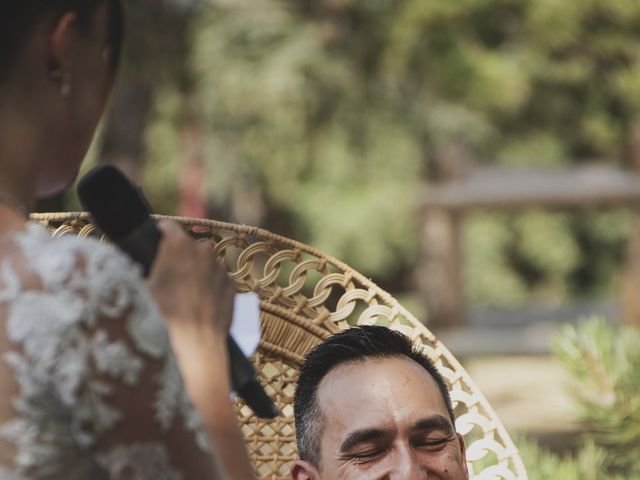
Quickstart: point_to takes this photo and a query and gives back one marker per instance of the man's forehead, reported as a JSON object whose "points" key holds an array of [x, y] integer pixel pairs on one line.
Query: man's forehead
{"points": [[363, 373], [378, 391]]}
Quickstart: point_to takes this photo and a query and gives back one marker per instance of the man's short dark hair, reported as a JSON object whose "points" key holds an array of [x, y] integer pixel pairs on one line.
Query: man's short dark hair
{"points": [[356, 344]]}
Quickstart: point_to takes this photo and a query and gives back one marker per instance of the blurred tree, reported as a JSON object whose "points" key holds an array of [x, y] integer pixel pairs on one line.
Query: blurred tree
{"points": [[152, 26], [299, 121], [321, 119]]}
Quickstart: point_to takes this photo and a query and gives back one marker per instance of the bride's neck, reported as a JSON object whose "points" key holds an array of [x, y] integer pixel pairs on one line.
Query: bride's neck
{"points": [[19, 162]]}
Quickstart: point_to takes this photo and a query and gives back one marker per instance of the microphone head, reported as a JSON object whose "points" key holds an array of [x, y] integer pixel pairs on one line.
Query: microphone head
{"points": [[115, 204]]}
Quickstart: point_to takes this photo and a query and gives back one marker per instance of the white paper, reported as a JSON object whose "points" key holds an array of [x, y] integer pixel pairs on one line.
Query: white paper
{"points": [[245, 324]]}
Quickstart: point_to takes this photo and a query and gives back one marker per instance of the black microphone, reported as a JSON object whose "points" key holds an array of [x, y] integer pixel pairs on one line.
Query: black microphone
{"points": [[123, 214]]}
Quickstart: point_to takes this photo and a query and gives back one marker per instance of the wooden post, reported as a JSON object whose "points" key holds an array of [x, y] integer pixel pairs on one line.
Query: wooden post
{"points": [[630, 297], [440, 274]]}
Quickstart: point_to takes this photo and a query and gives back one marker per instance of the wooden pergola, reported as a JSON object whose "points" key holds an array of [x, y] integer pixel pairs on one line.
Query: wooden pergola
{"points": [[446, 204]]}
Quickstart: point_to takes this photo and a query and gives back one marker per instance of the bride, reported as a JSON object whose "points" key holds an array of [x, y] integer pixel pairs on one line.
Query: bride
{"points": [[102, 375]]}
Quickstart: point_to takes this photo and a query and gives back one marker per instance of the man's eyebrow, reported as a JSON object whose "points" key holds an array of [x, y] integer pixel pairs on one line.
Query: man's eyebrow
{"points": [[361, 436], [436, 422]]}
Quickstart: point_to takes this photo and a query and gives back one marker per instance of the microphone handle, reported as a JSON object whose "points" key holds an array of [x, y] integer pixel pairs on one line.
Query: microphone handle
{"points": [[141, 244], [245, 383]]}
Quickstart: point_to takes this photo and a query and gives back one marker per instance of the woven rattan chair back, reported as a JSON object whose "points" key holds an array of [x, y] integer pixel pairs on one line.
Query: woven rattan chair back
{"points": [[305, 297]]}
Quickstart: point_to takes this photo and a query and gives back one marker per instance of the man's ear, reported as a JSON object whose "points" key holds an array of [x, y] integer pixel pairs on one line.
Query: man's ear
{"points": [[463, 454], [301, 470]]}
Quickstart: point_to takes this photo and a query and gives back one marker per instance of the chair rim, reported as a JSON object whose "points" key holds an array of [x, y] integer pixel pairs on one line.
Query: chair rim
{"points": [[510, 450]]}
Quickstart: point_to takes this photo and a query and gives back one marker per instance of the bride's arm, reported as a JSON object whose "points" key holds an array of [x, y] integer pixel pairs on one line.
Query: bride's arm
{"points": [[196, 296]]}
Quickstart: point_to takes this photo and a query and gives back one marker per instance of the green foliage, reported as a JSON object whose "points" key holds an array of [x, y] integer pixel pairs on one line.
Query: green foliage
{"points": [[588, 464], [547, 256], [324, 119], [604, 363], [285, 119], [490, 278], [163, 142]]}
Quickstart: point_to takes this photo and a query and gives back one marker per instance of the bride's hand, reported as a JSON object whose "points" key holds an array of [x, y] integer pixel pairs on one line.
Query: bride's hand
{"points": [[195, 296], [193, 291]]}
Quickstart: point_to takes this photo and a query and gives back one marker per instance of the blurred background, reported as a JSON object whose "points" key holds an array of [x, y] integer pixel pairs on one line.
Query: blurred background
{"points": [[475, 158]]}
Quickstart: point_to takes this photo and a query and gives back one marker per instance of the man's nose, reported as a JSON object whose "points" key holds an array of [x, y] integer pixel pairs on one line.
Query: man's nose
{"points": [[408, 465]]}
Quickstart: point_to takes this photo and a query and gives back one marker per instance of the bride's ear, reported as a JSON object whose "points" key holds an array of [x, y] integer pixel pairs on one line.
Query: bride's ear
{"points": [[62, 42], [301, 470]]}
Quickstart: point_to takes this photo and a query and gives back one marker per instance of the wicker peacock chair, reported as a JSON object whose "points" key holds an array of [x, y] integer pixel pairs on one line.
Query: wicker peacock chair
{"points": [[305, 297]]}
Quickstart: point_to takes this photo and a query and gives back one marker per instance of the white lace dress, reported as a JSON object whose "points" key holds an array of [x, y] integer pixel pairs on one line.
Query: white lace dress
{"points": [[89, 386]]}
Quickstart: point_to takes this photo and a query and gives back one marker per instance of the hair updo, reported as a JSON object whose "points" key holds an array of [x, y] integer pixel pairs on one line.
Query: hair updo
{"points": [[19, 17]]}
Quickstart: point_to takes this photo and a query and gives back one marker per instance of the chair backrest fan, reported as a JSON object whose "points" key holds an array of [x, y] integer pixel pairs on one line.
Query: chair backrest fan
{"points": [[306, 296]]}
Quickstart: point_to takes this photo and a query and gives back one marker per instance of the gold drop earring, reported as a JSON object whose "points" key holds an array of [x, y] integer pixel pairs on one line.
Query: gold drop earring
{"points": [[64, 79]]}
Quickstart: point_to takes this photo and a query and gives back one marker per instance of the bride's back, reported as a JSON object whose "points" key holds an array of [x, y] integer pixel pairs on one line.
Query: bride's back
{"points": [[90, 386]]}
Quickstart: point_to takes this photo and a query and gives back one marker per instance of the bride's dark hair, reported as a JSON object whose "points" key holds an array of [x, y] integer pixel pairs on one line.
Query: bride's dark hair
{"points": [[19, 17]]}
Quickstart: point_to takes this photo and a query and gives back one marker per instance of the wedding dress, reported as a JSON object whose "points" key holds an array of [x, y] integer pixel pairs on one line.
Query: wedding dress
{"points": [[89, 385]]}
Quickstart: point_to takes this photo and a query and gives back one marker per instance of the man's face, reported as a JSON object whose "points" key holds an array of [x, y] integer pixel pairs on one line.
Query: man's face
{"points": [[384, 419]]}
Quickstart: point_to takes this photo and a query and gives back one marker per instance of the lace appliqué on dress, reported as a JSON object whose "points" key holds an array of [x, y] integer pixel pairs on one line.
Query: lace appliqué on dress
{"points": [[140, 462], [60, 332]]}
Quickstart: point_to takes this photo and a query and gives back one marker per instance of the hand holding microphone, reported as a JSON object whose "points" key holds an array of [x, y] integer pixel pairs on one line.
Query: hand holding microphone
{"points": [[196, 286], [122, 213], [195, 296]]}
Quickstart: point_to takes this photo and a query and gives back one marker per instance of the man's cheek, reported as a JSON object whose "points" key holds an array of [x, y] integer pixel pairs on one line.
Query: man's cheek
{"points": [[447, 465]]}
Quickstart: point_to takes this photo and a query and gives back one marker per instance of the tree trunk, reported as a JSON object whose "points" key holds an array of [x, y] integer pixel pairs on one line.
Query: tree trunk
{"points": [[123, 140]]}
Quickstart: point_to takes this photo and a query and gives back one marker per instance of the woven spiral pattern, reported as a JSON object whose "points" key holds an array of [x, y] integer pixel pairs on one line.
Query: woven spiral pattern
{"points": [[305, 297]]}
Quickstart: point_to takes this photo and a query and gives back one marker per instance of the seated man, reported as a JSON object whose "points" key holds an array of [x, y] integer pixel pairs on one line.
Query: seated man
{"points": [[369, 406]]}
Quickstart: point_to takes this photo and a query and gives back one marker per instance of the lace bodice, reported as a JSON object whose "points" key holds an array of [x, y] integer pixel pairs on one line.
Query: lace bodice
{"points": [[89, 386]]}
